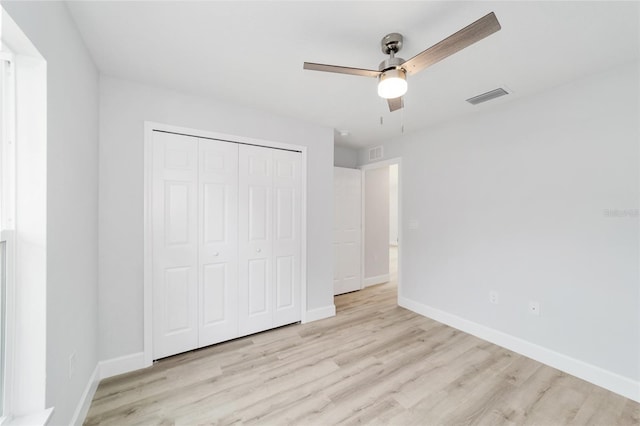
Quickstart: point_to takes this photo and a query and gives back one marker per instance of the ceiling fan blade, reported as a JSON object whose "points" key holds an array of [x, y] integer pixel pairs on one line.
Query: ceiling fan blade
{"points": [[470, 34], [395, 103], [341, 70]]}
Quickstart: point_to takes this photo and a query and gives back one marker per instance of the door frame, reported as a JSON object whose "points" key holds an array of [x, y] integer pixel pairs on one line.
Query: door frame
{"points": [[149, 128], [377, 165]]}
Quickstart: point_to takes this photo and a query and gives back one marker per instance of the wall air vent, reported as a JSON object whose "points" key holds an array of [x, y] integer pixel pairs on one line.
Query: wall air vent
{"points": [[492, 94], [375, 153]]}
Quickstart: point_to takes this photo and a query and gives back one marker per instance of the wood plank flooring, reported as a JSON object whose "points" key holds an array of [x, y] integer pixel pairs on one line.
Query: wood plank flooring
{"points": [[373, 363]]}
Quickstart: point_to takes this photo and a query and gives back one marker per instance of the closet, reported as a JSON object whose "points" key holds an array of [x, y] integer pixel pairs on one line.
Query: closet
{"points": [[226, 220]]}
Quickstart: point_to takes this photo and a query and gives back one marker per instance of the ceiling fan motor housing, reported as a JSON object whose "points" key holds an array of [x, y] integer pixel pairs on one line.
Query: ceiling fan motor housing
{"points": [[391, 43], [391, 63]]}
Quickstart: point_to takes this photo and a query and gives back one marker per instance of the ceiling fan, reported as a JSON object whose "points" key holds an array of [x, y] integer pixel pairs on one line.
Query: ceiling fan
{"points": [[392, 72]]}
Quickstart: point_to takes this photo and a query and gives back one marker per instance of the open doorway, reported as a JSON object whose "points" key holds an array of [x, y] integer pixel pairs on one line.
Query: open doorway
{"points": [[381, 262]]}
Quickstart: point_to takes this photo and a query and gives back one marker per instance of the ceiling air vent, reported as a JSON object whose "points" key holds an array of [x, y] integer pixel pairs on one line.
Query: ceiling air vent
{"points": [[375, 153], [492, 94]]}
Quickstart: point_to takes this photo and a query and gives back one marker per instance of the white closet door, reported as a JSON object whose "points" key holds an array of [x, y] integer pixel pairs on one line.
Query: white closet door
{"points": [[175, 244], [286, 237], [256, 238], [218, 241], [347, 229]]}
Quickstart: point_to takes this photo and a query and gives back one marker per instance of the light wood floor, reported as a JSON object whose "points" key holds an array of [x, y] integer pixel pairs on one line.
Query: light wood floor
{"points": [[373, 363]]}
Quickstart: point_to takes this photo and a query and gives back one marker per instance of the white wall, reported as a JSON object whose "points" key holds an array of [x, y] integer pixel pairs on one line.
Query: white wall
{"points": [[72, 201], [536, 199], [393, 205], [124, 106], [345, 157], [376, 225]]}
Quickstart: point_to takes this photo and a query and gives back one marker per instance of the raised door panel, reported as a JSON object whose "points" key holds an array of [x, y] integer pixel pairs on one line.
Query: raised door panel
{"points": [[215, 289], [255, 239], [287, 240], [285, 279], [257, 282], [175, 246], [176, 285], [218, 241]]}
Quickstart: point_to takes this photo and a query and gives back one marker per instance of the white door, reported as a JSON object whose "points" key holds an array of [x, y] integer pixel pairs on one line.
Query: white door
{"points": [[218, 241], [226, 223], [347, 233], [256, 238], [269, 245], [175, 244], [286, 237]]}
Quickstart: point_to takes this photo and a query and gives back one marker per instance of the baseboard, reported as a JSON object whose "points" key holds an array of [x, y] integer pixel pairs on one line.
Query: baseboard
{"points": [[87, 396], [376, 280], [104, 369], [124, 364], [591, 373], [320, 313], [39, 418]]}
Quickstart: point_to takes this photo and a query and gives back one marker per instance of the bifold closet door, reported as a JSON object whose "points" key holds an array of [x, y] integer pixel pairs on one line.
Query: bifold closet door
{"points": [[175, 243], [195, 243], [287, 241], [269, 252], [226, 221], [218, 241]]}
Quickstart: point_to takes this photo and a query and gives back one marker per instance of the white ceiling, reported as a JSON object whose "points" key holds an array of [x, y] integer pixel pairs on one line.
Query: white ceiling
{"points": [[251, 53]]}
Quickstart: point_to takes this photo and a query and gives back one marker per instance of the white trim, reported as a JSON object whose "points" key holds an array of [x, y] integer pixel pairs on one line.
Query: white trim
{"points": [[320, 313], [379, 164], [378, 279], [7, 227], [303, 238], [121, 365], [87, 396], [149, 127], [589, 372], [104, 369], [40, 418], [148, 247]]}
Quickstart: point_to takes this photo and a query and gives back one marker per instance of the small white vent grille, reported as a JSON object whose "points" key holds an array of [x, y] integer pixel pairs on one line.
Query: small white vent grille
{"points": [[484, 97], [375, 153]]}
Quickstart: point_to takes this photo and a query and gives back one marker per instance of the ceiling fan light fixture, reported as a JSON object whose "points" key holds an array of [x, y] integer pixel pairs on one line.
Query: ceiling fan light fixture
{"points": [[392, 83]]}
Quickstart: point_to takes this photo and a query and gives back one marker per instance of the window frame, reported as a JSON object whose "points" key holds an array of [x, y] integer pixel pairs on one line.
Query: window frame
{"points": [[7, 228]]}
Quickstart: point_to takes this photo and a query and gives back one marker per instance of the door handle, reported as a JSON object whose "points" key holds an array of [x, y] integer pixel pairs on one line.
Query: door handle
{"points": [[258, 250]]}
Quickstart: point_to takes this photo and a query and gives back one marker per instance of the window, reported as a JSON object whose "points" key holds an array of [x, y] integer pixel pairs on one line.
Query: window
{"points": [[23, 207], [7, 211]]}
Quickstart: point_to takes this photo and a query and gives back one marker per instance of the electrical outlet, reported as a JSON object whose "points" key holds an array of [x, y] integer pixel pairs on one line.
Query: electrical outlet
{"points": [[73, 360], [494, 297], [534, 308]]}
